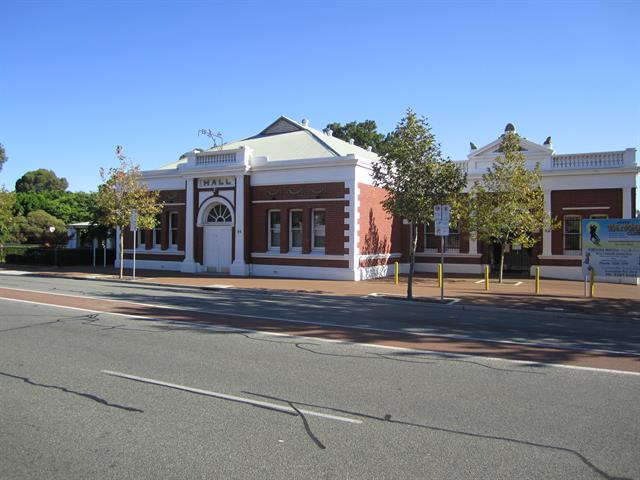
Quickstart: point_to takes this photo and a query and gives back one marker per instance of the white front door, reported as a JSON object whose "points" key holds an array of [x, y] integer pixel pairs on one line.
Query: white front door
{"points": [[217, 248]]}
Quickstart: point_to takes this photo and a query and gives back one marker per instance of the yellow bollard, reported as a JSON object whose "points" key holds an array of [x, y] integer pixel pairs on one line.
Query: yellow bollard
{"points": [[486, 277], [396, 273], [592, 283], [537, 280], [439, 275]]}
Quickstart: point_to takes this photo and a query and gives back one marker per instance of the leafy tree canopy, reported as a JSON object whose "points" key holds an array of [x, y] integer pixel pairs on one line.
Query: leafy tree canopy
{"points": [[3, 156], [416, 176], [70, 207], [363, 133], [7, 218], [41, 180], [122, 192], [507, 205], [40, 227]]}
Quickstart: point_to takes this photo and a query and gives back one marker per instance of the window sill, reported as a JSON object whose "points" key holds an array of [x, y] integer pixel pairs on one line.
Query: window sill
{"points": [[298, 254]]}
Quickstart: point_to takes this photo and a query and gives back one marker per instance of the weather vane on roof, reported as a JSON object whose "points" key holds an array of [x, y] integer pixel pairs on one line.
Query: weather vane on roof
{"points": [[214, 136]]}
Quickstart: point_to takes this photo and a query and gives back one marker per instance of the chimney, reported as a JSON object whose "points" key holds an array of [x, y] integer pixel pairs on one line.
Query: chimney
{"points": [[351, 141], [369, 148], [305, 122]]}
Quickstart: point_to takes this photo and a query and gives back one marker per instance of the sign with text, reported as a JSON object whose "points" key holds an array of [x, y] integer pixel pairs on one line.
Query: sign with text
{"points": [[134, 220], [611, 248], [216, 182], [442, 216]]}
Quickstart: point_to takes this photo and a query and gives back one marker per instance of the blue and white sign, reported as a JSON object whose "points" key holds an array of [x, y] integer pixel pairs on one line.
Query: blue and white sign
{"points": [[442, 216], [611, 248]]}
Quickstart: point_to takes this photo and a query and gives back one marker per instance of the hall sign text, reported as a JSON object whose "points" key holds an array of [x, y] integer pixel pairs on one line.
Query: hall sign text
{"points": [[216, 182]]}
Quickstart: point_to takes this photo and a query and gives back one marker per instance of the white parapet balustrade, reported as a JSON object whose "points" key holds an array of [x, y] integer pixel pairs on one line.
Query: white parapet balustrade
{"points": [[216, 159], [589, 160]]}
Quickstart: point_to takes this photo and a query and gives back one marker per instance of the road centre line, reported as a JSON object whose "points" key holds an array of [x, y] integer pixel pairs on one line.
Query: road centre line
{"points": [[338, 325], [224, 396], [446, 355]]}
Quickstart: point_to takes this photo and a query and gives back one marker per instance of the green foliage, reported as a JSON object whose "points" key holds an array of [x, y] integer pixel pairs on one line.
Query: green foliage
{"points": [[3, 156], [416, 176], [41, 180], [122, 192], [70, 207], [36, 228], [507, 205], [363, 133], [7, 218]]}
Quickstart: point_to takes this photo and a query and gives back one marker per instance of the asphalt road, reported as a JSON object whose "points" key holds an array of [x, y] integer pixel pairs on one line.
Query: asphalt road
{"points": [[70, 406], [550, 328]]}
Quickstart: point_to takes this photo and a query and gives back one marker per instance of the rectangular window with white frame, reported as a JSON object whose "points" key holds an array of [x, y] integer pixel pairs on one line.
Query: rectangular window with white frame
{"points": [[318, 234], [571, 227], [157, 232], [432, 242], [453, 240], [274, 230], [141, 238], [173, 229], [295, 229]]}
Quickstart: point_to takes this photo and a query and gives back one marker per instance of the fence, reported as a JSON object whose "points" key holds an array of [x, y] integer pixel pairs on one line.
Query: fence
{"points": [[55, 256]]}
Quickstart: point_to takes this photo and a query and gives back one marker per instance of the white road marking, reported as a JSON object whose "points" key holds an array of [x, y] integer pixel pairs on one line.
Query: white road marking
{"points": [[224, 396], [325, 324], [373, 345], [554, 309], [479, 281], [13, 272]]}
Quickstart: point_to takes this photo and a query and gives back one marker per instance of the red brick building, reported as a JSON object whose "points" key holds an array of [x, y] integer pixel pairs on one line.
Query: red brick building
{"points": [[297, 202]]}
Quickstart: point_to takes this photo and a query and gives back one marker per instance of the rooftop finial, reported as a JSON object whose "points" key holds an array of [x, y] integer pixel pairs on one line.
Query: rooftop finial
{"points": [[510, 128], [548, 141], [473, 146]]}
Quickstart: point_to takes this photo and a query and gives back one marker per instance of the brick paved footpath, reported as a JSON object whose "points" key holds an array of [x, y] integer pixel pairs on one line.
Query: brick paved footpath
{"points": [[614, 300]]}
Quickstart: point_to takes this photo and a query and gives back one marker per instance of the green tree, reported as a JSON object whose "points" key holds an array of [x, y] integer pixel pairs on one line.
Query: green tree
{"points": [[122, 192], [416, 177], [507, 205], [3, 156], [69, 207], [363, 133], [40, 227], [7, 217], [41, 180]]}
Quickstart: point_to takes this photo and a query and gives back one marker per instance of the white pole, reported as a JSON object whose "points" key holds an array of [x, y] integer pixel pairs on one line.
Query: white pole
{"points": [[135, 246]]}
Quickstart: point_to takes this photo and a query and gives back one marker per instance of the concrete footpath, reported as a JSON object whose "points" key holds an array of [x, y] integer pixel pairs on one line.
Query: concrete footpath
{"points": [[612, 300]]}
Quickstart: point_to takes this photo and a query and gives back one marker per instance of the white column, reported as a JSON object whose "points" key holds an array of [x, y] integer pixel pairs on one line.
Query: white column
{"points": [[546, 234], [626, 202], [239, 267], [473, 246], [189, 264]]}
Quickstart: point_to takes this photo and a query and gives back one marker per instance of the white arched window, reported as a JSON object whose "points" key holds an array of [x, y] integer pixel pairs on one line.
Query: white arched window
{"points": [[218, 214]]}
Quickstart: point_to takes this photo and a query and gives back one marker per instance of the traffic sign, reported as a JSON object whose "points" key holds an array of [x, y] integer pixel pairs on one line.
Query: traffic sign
{"points": [[442, 215], [134, 220]]}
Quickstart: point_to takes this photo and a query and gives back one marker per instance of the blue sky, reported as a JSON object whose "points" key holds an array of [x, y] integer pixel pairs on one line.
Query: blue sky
{"points": [[78, 78]]}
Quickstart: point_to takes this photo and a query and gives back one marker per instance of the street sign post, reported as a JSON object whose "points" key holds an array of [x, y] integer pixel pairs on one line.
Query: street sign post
{"points": [[442, 217], [134, 229]]}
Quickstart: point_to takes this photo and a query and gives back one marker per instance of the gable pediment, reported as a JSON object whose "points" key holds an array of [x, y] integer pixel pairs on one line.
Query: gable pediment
{"points": [[493, 149], [282, 125]]}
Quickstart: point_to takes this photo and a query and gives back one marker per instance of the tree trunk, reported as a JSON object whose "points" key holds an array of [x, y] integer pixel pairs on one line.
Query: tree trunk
{"points": [[502, 245], [121, 252], [412, 260]]}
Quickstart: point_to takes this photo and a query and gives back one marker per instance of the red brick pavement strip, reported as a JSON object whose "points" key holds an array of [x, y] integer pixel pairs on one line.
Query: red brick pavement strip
{"points": [[613, 301], [510, 351]]}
